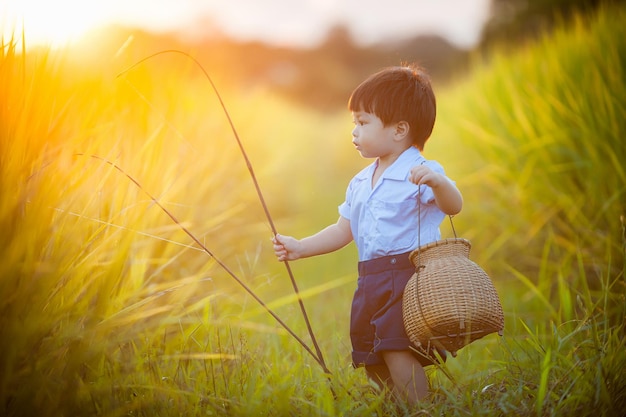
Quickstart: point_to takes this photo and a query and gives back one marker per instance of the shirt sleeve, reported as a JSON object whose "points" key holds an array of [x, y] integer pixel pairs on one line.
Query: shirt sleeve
{"points": [[344, 208]]}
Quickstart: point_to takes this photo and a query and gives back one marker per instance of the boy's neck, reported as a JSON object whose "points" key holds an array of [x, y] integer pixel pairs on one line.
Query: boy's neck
{"points": [[384, 162]]}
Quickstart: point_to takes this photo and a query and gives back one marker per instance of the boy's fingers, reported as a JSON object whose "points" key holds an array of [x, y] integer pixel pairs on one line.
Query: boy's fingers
{"points": [[275, 240]]}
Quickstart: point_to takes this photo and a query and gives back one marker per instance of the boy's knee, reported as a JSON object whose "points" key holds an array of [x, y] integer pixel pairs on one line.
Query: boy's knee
{"points": [[394, 358]]}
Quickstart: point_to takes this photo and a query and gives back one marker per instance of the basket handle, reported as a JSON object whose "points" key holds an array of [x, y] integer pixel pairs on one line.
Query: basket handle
{"points": [[419, 254], [419, 216], [419, 219]]}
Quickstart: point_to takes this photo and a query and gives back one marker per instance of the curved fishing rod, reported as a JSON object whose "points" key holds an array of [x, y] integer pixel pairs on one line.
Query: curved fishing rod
{"points": [[319, 356], [220, 263]]}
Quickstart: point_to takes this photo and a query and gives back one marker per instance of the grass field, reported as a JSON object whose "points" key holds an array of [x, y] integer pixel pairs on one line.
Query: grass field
{"points": [[110, 307]]}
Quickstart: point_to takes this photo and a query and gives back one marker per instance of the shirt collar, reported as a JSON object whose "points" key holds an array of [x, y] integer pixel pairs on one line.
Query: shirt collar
{"points": [[399, 170]]}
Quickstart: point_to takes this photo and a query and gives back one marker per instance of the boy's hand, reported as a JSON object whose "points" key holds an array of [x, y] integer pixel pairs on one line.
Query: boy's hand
{"points": [[286, 248], [447, 196], [421, 174]]}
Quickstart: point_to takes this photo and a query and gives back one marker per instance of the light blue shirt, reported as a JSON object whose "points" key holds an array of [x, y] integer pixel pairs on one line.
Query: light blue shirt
{"points": [[383, 219]]}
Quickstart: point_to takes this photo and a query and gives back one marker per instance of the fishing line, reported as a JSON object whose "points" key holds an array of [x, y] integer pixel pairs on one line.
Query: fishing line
{"points": [[319, 356], [218, 261]]}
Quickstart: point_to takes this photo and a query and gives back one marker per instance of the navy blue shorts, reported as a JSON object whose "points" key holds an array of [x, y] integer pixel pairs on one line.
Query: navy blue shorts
{"points": [[376, 318]]}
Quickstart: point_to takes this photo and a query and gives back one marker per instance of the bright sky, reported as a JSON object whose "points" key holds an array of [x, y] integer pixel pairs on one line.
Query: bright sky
{"points": [[280, 22]]}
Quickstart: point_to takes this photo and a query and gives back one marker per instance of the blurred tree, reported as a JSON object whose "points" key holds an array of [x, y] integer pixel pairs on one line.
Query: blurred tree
{"points": [[513, 21], [322, 76]]}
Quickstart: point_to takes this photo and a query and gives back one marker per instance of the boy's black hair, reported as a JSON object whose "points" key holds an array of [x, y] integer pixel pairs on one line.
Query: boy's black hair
{"points": [[400, 93]]}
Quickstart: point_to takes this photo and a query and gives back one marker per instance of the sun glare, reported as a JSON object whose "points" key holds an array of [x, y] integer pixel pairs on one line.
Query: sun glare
{"points": [[53, 23]]}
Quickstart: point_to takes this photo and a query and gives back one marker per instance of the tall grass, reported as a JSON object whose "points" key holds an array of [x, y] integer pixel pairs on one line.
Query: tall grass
{"points": [[542, 158], [108, 308], [546, 125]]}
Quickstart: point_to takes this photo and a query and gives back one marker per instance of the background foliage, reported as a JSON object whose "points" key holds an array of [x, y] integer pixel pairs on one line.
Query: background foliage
{"points": [[109, 308]]}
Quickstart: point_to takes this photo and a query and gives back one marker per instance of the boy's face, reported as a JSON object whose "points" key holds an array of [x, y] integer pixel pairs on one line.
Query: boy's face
{"points": [[371, 138]]}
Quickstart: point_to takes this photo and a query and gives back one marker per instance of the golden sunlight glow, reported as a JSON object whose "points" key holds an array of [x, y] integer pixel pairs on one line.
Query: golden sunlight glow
{"points": [[44, 22]]}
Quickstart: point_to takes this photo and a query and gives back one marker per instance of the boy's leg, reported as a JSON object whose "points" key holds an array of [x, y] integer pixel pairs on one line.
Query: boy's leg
{"points": [[407, 374]]}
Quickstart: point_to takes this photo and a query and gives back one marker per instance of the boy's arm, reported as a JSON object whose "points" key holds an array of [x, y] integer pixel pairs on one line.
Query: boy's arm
{"points": [[447, 197], [333, 237]]}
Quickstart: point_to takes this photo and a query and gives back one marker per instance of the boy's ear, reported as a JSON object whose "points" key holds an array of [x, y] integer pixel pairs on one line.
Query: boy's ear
{"points": [[402, 129]]}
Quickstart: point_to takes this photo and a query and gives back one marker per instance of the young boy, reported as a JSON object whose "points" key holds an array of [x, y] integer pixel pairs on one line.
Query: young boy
{"points": [[394, 113]]}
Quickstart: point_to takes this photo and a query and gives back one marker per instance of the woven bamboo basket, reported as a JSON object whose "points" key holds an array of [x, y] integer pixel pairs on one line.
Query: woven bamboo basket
{"points": [[450, 301]]}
